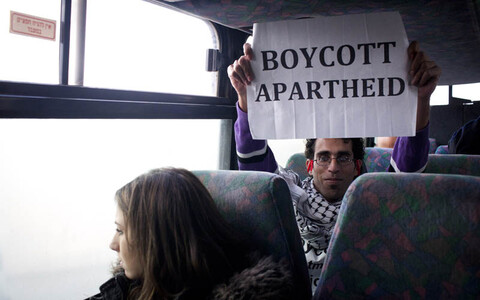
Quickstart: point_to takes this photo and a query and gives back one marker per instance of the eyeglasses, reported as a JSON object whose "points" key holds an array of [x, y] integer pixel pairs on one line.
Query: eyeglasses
{"points": [[342, 160]]}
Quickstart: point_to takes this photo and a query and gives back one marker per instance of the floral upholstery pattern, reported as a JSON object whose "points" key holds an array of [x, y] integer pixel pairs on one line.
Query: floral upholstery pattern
{"points": [[433, 145], [442, 149], [296, 163], [453, 164], [259, 206], [409, 236], [377, 159]]}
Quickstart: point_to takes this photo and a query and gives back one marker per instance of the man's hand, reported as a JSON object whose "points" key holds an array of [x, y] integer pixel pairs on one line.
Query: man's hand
{"points": [[240, 74], [424, 74]]}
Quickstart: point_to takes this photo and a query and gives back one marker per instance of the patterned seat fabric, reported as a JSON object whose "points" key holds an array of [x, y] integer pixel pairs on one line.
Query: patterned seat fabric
{"points": [[442, 149], [433, 145], [454, 164], [409, 236], [296, 163], [377, 159], [259, 206]]}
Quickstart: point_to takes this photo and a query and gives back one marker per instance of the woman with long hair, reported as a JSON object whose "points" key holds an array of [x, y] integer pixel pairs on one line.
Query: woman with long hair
{"points": [[172, 243]]}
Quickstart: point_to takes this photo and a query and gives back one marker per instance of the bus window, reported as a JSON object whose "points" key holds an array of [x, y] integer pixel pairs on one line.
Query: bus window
{"points": [[133, 50], [283, 149], [26, 58], [58, 181], [59, 176], [439, 96], [469, 91]]}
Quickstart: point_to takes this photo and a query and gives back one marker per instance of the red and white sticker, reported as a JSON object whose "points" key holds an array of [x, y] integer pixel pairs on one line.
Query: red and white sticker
{"points": [[32, 26]]}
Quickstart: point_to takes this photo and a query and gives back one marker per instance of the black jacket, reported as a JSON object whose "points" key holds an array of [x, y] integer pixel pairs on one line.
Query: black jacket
{"points": [[266, 279], [115, 288]]}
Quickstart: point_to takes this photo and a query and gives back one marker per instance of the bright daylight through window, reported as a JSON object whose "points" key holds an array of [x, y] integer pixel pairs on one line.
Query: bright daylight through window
{"points": [[59, 176]]}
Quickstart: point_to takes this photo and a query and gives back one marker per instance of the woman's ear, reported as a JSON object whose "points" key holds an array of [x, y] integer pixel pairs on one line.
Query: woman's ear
{"points": [[309, 165]]}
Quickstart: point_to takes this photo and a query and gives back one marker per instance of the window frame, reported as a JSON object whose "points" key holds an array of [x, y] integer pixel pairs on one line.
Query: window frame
{"points": [[28, 100], [66, 101]]}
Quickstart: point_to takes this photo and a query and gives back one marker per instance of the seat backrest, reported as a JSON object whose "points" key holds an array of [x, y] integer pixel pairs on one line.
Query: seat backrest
{"points": [[433, 145], [377, 159], [405, 236], [442, 149], [464, 164], [258, 205], [296, 163]]}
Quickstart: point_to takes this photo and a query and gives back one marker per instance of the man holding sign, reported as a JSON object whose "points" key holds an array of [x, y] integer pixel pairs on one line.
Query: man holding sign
{"points": [[332, 163]]}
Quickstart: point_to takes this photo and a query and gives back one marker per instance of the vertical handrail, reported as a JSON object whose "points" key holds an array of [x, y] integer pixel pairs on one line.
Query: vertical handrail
{"points": [[65, 19], [77, 42]]}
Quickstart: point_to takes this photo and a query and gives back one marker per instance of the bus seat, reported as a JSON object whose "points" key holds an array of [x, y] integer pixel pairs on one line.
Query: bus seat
{"points": [[296, 163], [442, 149], [258, 204], [405, 236], [464, 164], [377, 159], [433, 145]]}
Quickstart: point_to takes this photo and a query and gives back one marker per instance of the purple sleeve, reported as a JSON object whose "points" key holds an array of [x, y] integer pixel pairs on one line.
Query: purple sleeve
{"points": [[251, 154], [410, 154]]}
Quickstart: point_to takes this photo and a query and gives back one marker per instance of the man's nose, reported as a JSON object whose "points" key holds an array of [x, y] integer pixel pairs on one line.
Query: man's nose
{"points": [[333, 166]]}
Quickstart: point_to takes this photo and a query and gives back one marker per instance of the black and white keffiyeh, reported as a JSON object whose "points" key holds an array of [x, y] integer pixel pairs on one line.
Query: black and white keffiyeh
{"points": [[316, 218]]}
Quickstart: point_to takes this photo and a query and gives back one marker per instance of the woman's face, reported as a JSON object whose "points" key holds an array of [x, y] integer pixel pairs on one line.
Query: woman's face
{"points": [[128, 260]]}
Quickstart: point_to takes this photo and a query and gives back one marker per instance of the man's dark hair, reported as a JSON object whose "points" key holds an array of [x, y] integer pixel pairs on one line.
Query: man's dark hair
{"points": [[358, 148]]}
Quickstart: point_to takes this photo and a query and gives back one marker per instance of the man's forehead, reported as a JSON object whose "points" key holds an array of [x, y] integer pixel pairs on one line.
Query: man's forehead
{"points": [[333, 145]]}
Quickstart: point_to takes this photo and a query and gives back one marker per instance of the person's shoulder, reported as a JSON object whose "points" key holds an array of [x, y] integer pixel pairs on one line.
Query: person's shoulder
{"points": [[266, 278], [98, 296], [307, 182], [116, 288], [290, 176], [106, 290]]}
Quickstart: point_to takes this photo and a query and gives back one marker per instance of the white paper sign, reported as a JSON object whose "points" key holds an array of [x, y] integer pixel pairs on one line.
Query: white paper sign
{"points": [[342, 76]]}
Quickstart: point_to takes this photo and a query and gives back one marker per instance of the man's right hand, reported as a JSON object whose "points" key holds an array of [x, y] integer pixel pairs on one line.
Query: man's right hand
{"points": [[240, 74]]}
